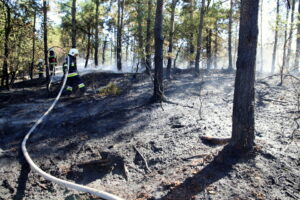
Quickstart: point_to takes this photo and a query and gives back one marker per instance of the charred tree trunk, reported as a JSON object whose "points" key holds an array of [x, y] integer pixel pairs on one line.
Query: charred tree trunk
{"points": [[284, 59], [199, 39], [119, 33], [216, 45], [140, 33], [171, 33], [46, 40], [97, 33], [230, 68], [208, 48], [7, 32], [158, 94], [148, 38], [177, 54], [290, 38], [276, 39], [243, 104], [88, 49], [191, 39], [104, 49], [74, 24], [298, 42], [33, 46], [261, 37]]}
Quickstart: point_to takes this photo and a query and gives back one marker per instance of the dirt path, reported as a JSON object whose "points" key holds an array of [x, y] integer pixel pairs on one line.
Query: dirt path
{"points": [[104, 142]]}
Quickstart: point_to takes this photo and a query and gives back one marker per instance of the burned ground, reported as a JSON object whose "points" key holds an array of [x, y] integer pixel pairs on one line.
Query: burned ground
{"points": [[104, 141]]}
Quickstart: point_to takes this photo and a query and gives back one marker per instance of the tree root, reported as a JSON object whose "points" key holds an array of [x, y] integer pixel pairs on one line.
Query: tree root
{"points": [[214, 141], [143, 158]]}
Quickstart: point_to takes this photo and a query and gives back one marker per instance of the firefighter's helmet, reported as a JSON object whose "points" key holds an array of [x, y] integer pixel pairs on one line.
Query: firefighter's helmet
{"points": [[41, 60], [73, 52]]}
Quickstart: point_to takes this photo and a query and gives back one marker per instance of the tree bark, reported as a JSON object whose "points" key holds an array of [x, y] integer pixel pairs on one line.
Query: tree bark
{"points": [[261, 38], [230, 37], [216, 45], [7, 32], [276, 39], [33, 45], [119, 33], [208, 48], [74, 24], [199, 38], [88, 49], [191, 39], [46, 40], [171, 33], [177, 54], [158, 94], [243, 104], [140, 33], [97, 33], [290, 38], [298, 42], [148, 38], [104, 49], [284, 59]]}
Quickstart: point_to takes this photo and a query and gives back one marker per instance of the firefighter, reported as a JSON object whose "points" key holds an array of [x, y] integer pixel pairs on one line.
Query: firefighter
{"points": [[74, 81], [41, 68], [52, 61]]}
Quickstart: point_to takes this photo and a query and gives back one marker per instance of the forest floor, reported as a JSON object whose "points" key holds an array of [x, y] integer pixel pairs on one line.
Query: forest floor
{"points": [[104, 141]]}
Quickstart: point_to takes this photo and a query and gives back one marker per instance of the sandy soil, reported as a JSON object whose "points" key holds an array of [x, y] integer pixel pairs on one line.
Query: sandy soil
{"points": [[103, 141]]}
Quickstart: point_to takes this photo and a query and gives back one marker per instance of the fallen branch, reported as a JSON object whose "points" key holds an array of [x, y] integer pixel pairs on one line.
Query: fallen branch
{"points": [[143, 158], [214, 141]]}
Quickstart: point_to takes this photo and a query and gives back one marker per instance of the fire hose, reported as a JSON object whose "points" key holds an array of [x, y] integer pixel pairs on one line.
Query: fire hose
{"points": [[49, 177]]}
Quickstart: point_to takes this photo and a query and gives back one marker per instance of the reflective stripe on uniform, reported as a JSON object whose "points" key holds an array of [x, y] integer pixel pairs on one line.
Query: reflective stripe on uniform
{"points": [[81, 85], [69, 88], [72, 74], [72, 64]]}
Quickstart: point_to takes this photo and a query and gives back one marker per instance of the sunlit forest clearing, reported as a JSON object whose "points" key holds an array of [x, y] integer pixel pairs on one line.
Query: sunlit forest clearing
{"points": [[149, 99]]}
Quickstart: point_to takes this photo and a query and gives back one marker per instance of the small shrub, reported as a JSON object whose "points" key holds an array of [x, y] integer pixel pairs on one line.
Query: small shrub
{"points": [[111, 89]]}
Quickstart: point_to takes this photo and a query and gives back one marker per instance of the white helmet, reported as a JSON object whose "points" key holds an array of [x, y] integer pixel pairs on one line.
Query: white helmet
{"points": [[41, 60], [73, 52]]}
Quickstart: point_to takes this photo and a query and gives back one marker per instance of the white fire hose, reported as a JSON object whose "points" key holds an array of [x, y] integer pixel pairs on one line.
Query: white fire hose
{"points": [[49, 177]]}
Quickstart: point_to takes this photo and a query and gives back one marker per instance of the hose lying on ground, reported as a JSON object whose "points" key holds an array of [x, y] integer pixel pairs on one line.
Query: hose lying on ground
{"points": [[49, 177]]}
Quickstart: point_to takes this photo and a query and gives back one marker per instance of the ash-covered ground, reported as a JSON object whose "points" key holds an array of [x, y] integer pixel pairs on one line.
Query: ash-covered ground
{"points": [[105, 141]]}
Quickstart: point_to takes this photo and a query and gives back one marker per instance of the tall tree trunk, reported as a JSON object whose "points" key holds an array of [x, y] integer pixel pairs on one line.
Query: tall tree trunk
{"points": [[191, 39], [7, 32], [276, 39], [158, 94], [243, 103], [97, 33], [261, 37], [46, 39], [148, 38], [33, 46], [119, 33], [216, 45], [88, 49], [208, 48], [290, 38], [284, 59], [199, 38], [230, 37], [104, 49], [171, 33], [298, 42], [74, 24], [177, 54], [140, 33]]}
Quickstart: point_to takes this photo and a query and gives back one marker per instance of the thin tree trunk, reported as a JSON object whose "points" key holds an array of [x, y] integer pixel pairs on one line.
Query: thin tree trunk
{"points": [[97, 33], [199, 38], [290, 38], [74, 24], [46, 40], [119, 33], [7, 32], [208, 48], [104, 49], [243, 104], [284, 59], [216, 45], [140, 33], [171, 33], [88, 50], [158, 94], [148, 38], [276, 39], [298, 42], [191, 39], [177, 54], [230, 37], [33, 46]]}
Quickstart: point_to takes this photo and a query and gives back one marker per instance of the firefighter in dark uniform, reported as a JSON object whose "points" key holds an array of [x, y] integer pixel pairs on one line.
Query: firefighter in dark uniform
{"points": [[52, 61], [41, 68], [74, 81]]}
